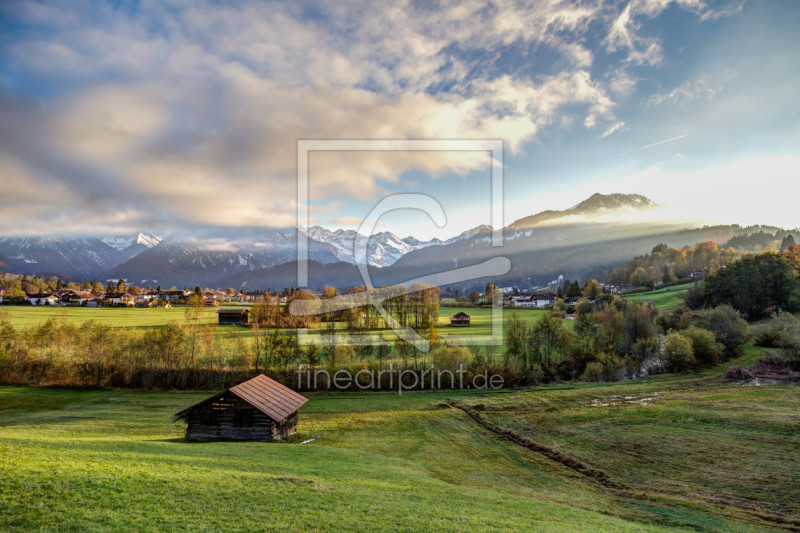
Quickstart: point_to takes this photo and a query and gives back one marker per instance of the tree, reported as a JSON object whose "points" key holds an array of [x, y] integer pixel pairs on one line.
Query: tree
{"points": [[110, 287], [121, 286], [474, 296], [678, 355], [694, 297], [592, 289], [516, 333], [559, 308], [787, 243], [491, 292], [729, 328], [754, 285], [548, 339], [574, 290], [194, 307], [639, 324]]}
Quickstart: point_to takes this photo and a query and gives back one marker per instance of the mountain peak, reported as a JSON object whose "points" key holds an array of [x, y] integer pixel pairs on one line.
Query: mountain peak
{"points": [[148, 239], [596, 205], [614, 201]]}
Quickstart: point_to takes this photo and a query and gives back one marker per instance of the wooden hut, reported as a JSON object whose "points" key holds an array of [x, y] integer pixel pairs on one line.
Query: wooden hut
{"points": [[461, 319], [233, 316], [260, 409]]}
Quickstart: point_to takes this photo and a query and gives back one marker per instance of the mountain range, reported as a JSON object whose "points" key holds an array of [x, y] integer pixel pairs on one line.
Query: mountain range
{"points": [[595, 233]]}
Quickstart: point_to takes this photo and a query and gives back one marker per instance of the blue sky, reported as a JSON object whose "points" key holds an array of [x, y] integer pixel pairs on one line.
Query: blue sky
{"points": [[121, 116]]}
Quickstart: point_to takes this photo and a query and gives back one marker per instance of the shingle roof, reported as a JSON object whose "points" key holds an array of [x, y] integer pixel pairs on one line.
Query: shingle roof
{"points": [[267, 395], [229, 311]]}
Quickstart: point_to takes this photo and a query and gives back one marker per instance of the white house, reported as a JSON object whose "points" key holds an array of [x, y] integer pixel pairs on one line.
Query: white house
{"points": [[44, 298], [543, 300], [120, 299], [522, 301], [74, 298]]}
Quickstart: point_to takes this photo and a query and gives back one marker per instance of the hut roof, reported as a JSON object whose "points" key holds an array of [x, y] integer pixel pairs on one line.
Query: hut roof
{"points": [[229, 311], [267, 395], [460, 314]]}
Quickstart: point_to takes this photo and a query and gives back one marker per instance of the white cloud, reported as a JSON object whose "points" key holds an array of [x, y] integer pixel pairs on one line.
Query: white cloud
{"points": [[192, 111], [693, 89]]}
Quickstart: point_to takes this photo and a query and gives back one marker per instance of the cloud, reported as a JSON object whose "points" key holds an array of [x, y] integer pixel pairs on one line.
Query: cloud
{"points": [[185, 114], [611, 129], [701, 87]]}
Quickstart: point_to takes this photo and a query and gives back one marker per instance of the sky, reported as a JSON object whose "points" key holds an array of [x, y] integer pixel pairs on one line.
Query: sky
{"points": [[119, 117]]}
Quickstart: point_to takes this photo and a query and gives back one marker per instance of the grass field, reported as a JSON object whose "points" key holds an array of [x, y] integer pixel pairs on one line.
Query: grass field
{"points": [[26, 316], [668, 299], [23, 316], [705, 455]]}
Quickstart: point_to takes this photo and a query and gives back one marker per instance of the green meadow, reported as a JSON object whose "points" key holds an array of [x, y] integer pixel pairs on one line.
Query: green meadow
{"points": [[668, 298], [701, 455], [23, 317], [26, 316]]}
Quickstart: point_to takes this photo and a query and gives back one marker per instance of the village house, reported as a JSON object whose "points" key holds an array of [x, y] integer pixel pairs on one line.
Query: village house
{"points": [[175, 297], [76, 298], [255, 296], [2, 295], [260, 410], [140, 299], [460, 319], [119, 299], [532, 300], [544, 300], [521, 301], [46, 298], [617, 289]]}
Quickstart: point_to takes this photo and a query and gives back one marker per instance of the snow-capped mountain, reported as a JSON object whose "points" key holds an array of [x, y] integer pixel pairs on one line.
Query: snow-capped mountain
{"points": [[120, 243], [383, 248], [222, 253], [69, 256], [186, 260]]}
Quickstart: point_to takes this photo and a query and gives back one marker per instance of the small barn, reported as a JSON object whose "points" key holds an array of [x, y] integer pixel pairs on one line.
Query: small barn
{"points": [[461, 319], [233, 316], [260, 409]]}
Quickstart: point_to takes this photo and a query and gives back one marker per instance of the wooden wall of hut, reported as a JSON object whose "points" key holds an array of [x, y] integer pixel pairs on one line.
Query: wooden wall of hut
{"points": [[230, 418]]}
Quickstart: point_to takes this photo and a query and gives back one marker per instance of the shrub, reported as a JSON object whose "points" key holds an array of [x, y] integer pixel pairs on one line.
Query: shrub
{"points": [[729, 327], [678, 355], [584, 307], [707, 351], [451, 357], [593, 372]]}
